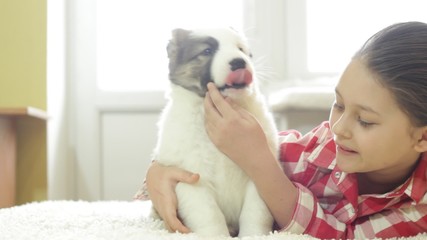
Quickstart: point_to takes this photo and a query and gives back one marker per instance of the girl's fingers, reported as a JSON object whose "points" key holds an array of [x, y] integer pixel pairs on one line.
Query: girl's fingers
{"points": [[218, 101], [173, 224], [187, 177], [161, 182], [211, 112]]}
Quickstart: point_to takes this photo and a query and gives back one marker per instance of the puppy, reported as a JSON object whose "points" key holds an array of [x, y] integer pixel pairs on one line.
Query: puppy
{"points": [[224, 201]]}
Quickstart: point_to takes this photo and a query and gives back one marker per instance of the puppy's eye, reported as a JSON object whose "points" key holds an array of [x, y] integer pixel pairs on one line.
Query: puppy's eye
{"points": [[243, 51], [207, 52]]}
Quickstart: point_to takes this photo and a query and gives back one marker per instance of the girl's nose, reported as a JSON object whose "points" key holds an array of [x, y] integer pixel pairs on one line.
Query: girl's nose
{"points": [[341, 127]]}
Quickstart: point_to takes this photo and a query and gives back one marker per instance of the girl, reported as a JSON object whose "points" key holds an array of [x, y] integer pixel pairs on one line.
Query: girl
{"points": [[360, 175]]}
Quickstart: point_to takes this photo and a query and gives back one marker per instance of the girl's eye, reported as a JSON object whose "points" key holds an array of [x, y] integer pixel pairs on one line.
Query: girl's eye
{"points": [[338, 107], [364, 123]]}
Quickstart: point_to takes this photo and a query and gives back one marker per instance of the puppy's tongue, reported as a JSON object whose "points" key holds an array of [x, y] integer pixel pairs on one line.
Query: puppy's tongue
{"points": [[239, 77]]}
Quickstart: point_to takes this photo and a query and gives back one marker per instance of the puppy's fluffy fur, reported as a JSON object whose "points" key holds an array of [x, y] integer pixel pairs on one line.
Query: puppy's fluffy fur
{"points": [[224, 201]]}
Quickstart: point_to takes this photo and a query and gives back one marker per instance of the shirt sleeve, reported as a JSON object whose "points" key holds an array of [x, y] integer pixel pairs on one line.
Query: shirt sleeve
{"points": [[309, 218]]}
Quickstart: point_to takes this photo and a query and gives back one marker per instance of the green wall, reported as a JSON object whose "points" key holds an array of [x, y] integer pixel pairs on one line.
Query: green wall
{"points": [[23, 83]]}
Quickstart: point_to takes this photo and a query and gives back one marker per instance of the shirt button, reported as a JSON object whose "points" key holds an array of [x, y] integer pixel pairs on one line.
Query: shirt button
{"points": [[337, 174]]}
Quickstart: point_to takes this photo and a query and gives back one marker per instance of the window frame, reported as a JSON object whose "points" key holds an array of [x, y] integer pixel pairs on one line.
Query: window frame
{"points": [[284, 46]]}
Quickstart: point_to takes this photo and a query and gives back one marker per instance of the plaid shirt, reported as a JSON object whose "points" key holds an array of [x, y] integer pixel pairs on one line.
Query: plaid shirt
{"points": [[328, 203]]}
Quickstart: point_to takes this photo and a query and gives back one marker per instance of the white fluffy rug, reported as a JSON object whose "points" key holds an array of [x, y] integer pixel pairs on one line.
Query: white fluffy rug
{"points": [[92, 220], [95, 220]]}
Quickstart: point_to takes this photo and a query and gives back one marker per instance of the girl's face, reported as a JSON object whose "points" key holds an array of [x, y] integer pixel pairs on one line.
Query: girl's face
{"points": [[373, 136]]}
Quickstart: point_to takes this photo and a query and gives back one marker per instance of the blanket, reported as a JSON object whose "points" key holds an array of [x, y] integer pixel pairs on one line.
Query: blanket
{"points": [[81, 220]]}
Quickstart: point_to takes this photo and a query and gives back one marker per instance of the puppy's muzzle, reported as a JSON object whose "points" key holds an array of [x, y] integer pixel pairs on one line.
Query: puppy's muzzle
{"points": [[239, 77]]}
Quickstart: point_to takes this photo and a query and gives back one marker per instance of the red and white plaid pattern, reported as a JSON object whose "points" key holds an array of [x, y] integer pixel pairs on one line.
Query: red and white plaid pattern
{"points": [[328, 204]]}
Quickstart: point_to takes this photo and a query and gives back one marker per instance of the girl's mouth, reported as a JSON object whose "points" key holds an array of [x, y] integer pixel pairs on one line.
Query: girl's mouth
{"points": [[345, 150]]}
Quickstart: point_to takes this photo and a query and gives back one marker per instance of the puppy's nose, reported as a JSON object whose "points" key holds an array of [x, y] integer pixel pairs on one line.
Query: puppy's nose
{"points": [[237, 63]]}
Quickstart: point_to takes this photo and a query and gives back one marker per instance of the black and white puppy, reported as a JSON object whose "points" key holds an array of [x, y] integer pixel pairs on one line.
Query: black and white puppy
{"points": [[224, 201]]}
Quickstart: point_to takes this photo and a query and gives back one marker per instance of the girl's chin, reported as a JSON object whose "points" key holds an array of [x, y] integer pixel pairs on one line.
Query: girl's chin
{"points": [[346, 165]]}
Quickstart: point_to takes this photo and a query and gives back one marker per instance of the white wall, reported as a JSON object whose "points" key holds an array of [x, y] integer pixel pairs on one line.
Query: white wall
{"points": [[60, 166]]}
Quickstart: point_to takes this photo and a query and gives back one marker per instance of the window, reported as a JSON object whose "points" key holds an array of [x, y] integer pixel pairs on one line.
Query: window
{"points": [[132, 36], [292, 39], [337, 29]]}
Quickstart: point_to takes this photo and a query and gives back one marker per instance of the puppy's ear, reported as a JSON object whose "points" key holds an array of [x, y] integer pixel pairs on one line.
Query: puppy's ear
{"points": [[178, 36]]}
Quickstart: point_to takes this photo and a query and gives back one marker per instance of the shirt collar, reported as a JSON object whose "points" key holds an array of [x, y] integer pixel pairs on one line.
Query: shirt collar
{"points": [[416, 185]]}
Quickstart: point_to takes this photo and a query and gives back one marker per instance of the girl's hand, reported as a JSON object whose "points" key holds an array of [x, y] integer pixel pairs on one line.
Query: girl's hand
{"points": [[161, 182], [233, 130]]}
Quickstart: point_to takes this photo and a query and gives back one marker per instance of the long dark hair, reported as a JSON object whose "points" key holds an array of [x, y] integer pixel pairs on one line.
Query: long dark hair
{"points": [[397, 55]]}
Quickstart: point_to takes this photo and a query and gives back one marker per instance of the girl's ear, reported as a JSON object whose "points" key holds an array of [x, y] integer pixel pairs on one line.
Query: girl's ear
{"points": [[421, 145]]}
